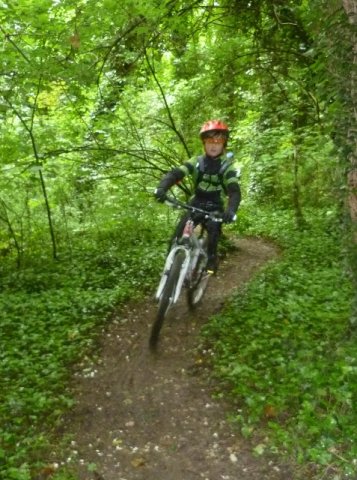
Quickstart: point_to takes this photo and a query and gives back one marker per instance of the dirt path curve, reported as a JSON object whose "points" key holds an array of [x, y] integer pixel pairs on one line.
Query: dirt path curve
{"points": [[141, 416]]}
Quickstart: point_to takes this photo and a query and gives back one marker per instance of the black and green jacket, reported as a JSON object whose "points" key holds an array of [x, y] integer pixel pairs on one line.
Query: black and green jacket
{"points": [[213, 179]]}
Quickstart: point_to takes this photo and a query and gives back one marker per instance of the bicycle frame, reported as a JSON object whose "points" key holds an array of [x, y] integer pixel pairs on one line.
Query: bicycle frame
{"points": [[191, 246], [185, 265], [192, 249]]}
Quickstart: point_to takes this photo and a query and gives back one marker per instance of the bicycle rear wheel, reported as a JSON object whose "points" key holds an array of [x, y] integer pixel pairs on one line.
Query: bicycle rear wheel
{"points": [[166, 298], [196, 291]]}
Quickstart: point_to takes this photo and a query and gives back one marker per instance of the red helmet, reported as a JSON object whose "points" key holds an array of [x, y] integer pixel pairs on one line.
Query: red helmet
{"points": [[214, 126]]}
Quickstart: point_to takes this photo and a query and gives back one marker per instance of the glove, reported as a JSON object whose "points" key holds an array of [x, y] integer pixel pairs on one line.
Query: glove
{"points": [[160, 194], [229, 216]]}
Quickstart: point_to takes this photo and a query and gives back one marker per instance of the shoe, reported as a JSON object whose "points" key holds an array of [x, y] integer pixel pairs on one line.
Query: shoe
{"points": [[211, 266]]}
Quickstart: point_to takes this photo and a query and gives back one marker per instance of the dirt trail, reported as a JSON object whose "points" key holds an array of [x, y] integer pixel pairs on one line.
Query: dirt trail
{"points": [[141, 416]]}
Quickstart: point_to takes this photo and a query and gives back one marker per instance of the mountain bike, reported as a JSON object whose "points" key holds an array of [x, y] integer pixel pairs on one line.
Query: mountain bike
{"points": [[185, 265]]}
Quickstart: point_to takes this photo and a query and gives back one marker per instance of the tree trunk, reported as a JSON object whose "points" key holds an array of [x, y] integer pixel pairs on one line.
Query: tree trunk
{"points": [[49, 215], [299, 217], [350, 7], [6, 219]]}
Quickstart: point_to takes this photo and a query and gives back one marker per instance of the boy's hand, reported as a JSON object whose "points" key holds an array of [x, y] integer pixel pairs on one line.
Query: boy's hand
{"points": [[160, 194], [229, 216]]}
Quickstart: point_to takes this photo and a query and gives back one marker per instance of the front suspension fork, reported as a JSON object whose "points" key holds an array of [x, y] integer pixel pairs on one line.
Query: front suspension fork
{"points": [[167, 268]]}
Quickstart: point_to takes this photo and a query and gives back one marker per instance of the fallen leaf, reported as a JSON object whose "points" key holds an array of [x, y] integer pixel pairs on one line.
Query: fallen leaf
{"points": [[270, 411], [138, 462]]}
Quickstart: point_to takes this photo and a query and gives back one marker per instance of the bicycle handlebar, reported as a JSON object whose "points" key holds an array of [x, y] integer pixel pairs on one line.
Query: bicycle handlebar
{"points": [[173, 202]]}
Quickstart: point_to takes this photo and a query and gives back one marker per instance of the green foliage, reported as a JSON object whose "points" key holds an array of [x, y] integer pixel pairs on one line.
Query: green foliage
{"points": [[286, 351], [52, 314], [97, 100], [272, 175]]}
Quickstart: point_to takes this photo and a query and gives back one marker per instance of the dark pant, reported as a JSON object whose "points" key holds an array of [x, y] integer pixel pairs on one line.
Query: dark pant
{"points": [[214, 229]]}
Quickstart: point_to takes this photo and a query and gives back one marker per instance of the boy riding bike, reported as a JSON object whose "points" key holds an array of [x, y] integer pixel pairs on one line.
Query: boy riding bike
{"points": [[215, 178]]}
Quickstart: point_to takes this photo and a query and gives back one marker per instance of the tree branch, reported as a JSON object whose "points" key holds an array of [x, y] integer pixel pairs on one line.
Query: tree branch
{"points": [[8, 37], [168, 111]]}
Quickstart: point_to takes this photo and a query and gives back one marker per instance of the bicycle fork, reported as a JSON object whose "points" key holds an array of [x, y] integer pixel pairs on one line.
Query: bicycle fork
{"points": [[167, 267]]}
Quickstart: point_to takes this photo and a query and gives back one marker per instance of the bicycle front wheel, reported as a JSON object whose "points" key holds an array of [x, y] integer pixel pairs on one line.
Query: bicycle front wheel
{"points": [[166, 297]]}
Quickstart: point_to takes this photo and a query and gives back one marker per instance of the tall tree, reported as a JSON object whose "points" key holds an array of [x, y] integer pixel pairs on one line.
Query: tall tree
{"points": [[350, 7]]}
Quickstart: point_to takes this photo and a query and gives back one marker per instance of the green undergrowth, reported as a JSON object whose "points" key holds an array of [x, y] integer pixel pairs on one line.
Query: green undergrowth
{"points": [[51, 316], [285, 349]]}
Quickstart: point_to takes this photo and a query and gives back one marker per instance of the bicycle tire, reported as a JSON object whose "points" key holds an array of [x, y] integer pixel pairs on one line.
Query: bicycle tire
{"points": [[196, 291], [165, 299]]}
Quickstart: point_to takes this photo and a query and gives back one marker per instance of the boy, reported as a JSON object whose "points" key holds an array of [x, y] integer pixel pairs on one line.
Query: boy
{"points": [[214, 178]]}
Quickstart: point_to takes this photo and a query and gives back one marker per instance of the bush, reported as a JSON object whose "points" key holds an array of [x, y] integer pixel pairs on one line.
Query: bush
{"points": [[284, 348]]}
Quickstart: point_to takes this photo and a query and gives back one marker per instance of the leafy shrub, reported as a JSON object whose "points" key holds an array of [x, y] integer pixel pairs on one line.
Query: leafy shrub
{"points": [[285, 350], [52, 315]]}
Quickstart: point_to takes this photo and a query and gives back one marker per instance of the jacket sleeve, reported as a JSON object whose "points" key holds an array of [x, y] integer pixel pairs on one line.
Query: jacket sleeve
{"points": [[233, 189], [176, 175]]}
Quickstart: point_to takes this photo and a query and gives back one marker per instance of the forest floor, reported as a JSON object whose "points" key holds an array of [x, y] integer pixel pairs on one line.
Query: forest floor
{"points": [[145, 416]]}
